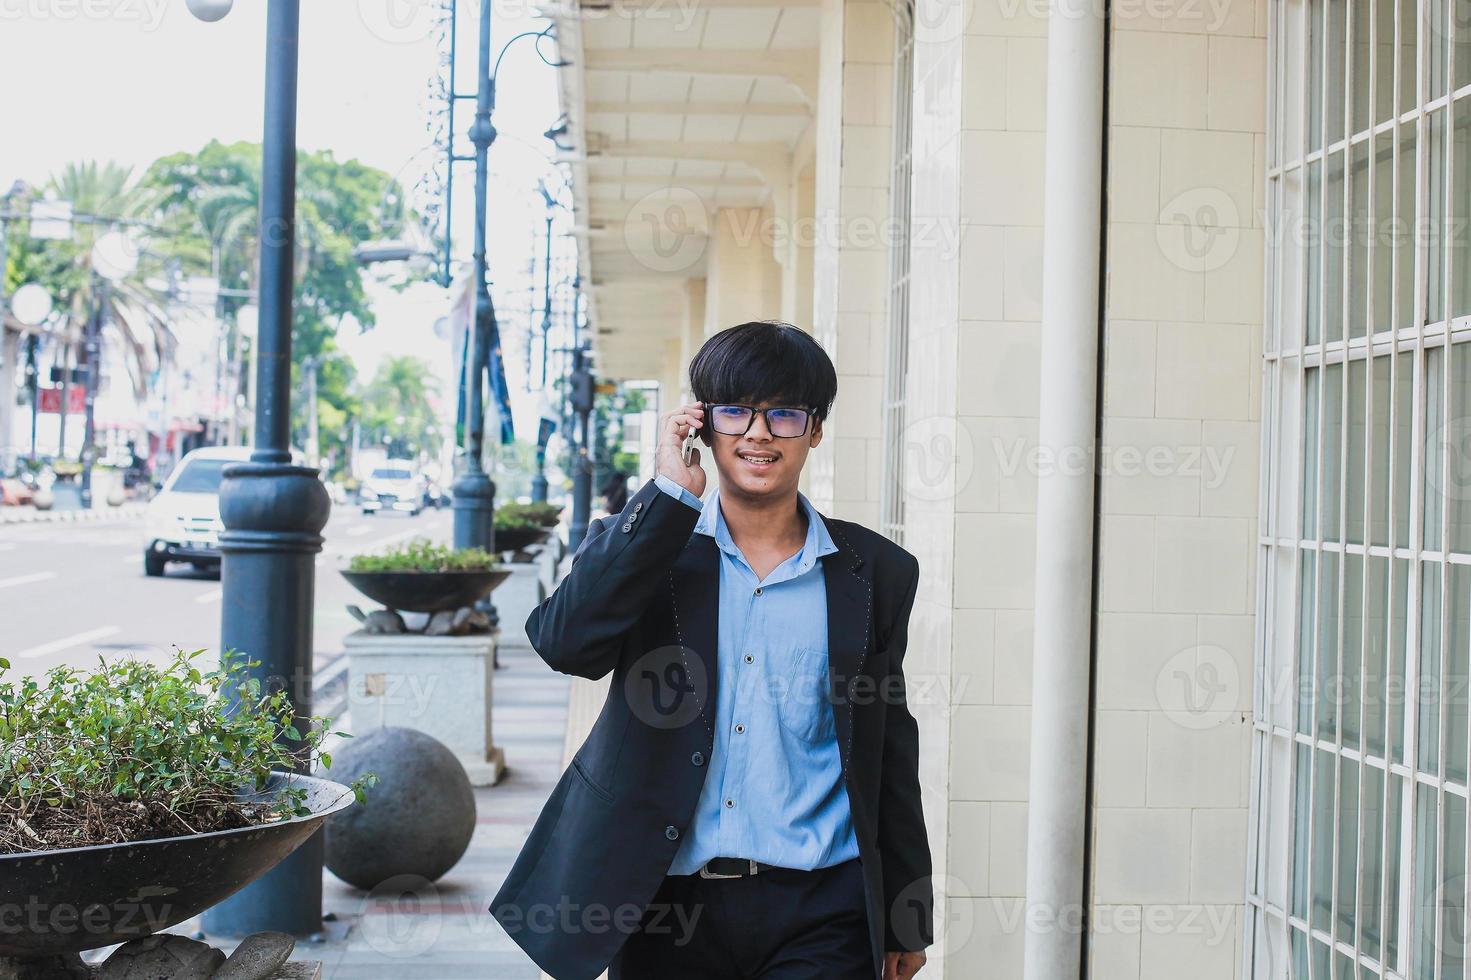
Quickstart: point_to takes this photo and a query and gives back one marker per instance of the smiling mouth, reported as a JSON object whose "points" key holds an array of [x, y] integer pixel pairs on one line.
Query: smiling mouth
{"points": [[758, 459]]}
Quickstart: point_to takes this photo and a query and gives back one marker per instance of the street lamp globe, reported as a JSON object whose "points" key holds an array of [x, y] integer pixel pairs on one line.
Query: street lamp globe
{"points": [[114, 256], [31, 304], [209, 11]]}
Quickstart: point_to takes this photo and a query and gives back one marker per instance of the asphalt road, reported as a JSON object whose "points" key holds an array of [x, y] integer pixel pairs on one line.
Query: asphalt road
{"points": [[72, 592]]}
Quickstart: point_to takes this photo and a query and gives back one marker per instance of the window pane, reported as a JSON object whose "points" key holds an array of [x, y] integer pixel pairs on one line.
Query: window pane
{"points": [[1356, 479], [1315, 75], [1371, 870], [1379, 453], [1331, 496], [1336, 55], [1461, 187], [1435, 230], [1313, 378], [1348, 842], [1426, 868], [1352, 696], [1359, 232], [1382, 231], [1305, 645], [1428, 691], [1436, 40], [1335, 244], [1458, 441], [1376, 657], [1408, 32], [1457, 655], [1404, 443], [1404, 229], [1362, 12], [1434, 445], [1394, 821], [1384, 56], [1302, 811], [1313, 236], [1328, 682], [1462, 16], [1453, 891], [1279, 672], [1323, 831], [1399, 639]]}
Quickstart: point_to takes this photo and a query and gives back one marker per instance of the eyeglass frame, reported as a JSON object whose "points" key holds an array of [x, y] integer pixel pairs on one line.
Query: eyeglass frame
{"points": [[806, 427]]}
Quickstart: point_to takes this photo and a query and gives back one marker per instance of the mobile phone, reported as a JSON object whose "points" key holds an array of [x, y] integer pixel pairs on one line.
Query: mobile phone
{"points": [[689, 445]]}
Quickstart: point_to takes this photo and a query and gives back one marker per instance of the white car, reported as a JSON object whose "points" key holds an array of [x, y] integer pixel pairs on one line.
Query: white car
{"points": [[183, 519], [393, 485]]}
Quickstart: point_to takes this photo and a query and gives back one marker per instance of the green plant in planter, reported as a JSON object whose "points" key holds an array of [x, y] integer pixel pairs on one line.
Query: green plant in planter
{"points": [[528, 515], [134, 751], [66, 469], [508, 520], [422, 555]]}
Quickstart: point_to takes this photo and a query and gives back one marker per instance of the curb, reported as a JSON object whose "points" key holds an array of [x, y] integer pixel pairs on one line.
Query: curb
{"points": [[29, 515]]}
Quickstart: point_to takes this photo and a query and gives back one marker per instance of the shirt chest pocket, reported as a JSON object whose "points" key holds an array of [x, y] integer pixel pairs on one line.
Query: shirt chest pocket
{"points": [[804, 707]]}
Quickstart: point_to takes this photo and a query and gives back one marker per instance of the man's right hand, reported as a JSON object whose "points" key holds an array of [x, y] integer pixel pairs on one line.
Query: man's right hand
{"points": [[673, 428]]}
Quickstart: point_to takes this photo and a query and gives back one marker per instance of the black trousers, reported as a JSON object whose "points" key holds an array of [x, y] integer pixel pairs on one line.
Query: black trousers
{"points": [[778, 925]]}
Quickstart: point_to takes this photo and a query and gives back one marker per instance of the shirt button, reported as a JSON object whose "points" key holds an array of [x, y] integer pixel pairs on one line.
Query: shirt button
{"points": [[698, 758], [750, 659], [758, 590], [740, 729], [672, 832], [730, 804]]}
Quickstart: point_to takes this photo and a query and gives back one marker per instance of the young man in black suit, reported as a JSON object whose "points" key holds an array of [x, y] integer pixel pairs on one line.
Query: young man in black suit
{"points": [[747, 804]]}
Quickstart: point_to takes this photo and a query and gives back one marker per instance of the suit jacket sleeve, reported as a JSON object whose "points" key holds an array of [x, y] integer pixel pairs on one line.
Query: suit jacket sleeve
{"points": [[620, 567], [903, 843]]}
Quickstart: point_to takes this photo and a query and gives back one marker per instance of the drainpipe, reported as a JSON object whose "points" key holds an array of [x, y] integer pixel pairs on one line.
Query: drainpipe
{"points": [[1063, 619]]}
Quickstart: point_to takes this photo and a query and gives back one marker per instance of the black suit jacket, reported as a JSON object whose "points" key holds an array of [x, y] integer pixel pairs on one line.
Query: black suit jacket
{"points": [[641, 601]]}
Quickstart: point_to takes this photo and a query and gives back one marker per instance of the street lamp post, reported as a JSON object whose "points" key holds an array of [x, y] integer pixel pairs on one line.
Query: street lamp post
{"points": [[582, 405], [539, 481], [273, 510], [473, 490]]}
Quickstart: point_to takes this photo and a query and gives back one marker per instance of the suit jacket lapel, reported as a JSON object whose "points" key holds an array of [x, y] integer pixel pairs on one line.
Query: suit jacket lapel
{"points": [[695, 586], [846, 578]]}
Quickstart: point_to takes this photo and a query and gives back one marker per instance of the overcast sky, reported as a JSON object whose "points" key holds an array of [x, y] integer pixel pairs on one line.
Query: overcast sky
{"points": [[132, 80]]}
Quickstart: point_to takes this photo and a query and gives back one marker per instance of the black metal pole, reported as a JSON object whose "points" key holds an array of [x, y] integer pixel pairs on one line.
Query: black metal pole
{"points": [[33, 383], [473, 491], [582, 401], [91, 350], [274, 511], [539, 481]]}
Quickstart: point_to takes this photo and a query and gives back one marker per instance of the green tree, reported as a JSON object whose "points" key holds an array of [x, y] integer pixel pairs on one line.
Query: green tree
{"points": [[211, 200], [398, 410]]}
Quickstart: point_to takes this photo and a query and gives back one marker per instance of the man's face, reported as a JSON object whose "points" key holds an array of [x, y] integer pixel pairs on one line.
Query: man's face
{"points": [[758, 464]]}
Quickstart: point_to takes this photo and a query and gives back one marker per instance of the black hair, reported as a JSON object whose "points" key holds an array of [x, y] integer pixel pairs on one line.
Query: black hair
{"points": [[764, 361]]}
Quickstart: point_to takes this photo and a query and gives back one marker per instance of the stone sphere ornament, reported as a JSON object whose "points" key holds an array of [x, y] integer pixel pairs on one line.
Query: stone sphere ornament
{"points": [[209, 11], [417, 820]]}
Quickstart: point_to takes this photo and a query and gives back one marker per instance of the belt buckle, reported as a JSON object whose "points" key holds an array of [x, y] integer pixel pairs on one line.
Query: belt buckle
{"points": [[709, 875]]}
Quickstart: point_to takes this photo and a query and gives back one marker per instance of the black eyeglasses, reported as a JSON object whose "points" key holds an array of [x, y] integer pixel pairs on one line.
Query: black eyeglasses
{"points": [[735, 420]]}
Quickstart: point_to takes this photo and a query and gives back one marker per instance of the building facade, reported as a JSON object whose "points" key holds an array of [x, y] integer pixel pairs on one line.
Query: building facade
{"points": [[1246, 586]]}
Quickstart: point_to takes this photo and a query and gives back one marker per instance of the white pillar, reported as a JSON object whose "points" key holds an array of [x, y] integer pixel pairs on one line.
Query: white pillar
{"points": [[1057, 798]]}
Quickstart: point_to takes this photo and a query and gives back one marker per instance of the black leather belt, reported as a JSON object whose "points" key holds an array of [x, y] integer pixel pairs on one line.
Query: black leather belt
{"points": [[720, 868]]}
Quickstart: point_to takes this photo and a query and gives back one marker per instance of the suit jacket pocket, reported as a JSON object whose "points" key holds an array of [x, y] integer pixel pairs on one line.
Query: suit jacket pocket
{"points": [[592, 784]]}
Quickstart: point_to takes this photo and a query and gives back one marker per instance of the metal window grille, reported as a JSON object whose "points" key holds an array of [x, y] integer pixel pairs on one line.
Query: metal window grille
{"points": [[1358, 828]]}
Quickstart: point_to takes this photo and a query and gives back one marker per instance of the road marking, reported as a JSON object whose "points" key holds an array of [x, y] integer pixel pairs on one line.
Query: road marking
{"points": [[357, 530], [213, 595], [67, 642], [5, 583]]}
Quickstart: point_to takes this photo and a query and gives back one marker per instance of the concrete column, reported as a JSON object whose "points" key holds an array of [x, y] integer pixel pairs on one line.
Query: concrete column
{"points": [[742, 278]]}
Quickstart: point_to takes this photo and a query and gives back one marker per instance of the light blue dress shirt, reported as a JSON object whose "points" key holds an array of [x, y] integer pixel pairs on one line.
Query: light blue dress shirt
{"points": [[774, 792]]}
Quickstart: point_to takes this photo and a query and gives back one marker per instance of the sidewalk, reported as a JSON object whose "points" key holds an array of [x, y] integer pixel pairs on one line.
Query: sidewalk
{"points": [[30, 515]]}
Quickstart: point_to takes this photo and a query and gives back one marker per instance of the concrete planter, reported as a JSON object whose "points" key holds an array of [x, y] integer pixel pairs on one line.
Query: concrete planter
{"points": [[439, 685]]}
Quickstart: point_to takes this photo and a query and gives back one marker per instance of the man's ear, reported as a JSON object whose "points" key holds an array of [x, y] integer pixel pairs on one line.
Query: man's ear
{"points": [[816, 433]]}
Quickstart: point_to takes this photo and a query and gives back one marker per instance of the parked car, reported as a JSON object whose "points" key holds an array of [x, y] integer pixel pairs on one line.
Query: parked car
{"points": [[182, 522], [396, 485]]}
